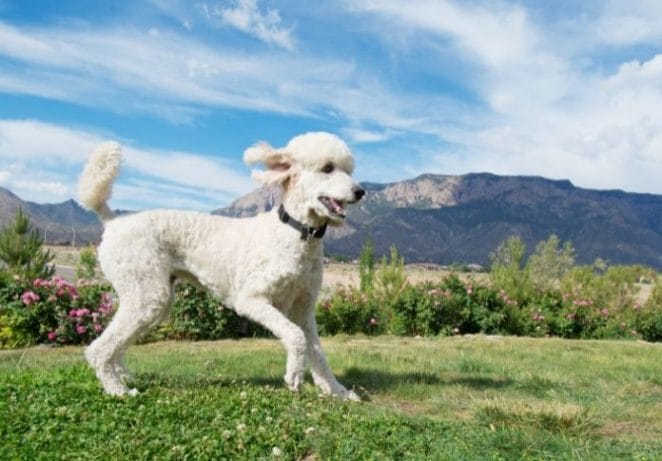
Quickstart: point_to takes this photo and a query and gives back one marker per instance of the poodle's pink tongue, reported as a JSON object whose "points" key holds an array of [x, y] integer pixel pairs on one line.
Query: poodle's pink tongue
{"points": [[337, 207]]}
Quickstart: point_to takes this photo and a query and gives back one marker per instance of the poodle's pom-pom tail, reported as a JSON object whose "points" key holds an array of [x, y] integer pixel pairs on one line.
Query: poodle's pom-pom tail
{"points": [[96, 181]]}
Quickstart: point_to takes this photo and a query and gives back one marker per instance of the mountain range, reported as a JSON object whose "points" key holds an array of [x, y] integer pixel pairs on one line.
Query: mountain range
{"points": [[443, 219]]}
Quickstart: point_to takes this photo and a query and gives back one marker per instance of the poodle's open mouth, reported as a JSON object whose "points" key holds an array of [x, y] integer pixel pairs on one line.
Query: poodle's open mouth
{"points": [[335, 207]]}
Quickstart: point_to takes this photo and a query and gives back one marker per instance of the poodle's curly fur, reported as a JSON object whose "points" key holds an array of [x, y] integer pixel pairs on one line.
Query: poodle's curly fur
{"points": [[260, 266]]}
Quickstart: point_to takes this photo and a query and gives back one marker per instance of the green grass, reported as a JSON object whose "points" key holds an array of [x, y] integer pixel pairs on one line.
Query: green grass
{"points": [[461, 398]]}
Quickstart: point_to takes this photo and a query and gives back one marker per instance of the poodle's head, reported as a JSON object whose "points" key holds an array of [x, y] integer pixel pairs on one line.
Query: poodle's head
{"points": [[314, 170]]}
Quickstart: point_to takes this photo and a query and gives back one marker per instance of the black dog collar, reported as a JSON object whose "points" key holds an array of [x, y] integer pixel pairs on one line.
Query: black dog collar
{"points": [[307, 232]]}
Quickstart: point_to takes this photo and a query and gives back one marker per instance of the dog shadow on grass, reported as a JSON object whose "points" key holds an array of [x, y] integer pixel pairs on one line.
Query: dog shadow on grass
{"points": [[366, 380], [374, 379]]}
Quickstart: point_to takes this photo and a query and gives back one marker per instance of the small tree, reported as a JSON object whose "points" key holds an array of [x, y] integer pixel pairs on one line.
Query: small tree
{"points": [[390, 278], [507, 271], [549, 263], [87, 261], [367, 266], [21, 250]]}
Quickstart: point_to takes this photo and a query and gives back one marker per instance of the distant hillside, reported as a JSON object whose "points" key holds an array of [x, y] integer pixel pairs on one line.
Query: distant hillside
{"points": [[441, 219], [62, 223], [447, 219]]}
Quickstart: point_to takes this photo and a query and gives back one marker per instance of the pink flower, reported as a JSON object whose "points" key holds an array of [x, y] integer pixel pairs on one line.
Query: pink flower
{"points": [[373, 321], [29, 297], [604, 312], [73, 313], [80, 329], [98, 328], [52, 336]]}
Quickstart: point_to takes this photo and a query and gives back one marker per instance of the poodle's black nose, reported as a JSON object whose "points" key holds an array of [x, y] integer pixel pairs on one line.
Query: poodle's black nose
{"points": [[359, 192]]}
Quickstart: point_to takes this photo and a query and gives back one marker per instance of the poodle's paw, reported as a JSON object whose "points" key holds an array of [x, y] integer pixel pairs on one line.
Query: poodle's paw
{"points": [[116, 388], [351, 396], [294, 380], [337, 390]]}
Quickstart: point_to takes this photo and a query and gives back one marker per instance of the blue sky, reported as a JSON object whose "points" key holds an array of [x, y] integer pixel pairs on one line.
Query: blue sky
{"points": [[561, 89]]}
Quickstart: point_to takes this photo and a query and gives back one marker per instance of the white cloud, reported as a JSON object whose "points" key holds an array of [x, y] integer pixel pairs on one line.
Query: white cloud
{"points": [[35, 140], [189, 170], [624, 22], [4, 177], [359, 135], [247, 17], [176, 77], [497, 34], [608, 136], [48, 159], [546, 111]]}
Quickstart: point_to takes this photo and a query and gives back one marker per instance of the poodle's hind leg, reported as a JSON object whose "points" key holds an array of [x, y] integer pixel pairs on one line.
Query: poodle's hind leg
{"points": [[139, 309]]}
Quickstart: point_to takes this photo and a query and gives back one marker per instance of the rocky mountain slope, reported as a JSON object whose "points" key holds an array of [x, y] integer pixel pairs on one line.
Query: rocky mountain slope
{"points": [[447, 219], [62, 223]]}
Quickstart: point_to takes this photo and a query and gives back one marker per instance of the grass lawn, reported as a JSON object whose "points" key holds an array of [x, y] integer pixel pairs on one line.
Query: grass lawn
{"points": [[460, 398]]}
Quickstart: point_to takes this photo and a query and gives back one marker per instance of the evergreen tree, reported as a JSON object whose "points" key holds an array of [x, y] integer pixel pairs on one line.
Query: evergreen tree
{"points": [[21, 250], [390, 277], [367, 265]]}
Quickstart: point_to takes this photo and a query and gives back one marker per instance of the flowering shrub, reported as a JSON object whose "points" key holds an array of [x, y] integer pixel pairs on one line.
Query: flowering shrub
{"points": [[52, 311], [58, 312]]}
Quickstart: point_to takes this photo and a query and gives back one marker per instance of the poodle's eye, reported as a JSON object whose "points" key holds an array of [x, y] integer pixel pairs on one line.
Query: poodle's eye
{"points": [[328, 168]]}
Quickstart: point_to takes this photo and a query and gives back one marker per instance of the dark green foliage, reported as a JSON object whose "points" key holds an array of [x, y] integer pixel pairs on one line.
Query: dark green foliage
{"points": [[648, 320], [367, 266], [87, 262], [21, 250], [350, 311], [197, 315]]}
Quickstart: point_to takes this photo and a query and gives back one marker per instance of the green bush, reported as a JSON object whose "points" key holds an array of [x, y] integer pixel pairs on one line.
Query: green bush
{"points": [[196, 315], [350, 311], [87, 263], [648, 320]]}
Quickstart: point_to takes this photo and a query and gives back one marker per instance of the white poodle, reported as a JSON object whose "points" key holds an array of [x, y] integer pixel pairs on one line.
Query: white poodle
{"points": [[268, 268]]}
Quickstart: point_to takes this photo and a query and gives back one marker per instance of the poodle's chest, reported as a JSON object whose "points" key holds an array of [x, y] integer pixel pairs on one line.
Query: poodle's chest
{"points": [[295, 282]]}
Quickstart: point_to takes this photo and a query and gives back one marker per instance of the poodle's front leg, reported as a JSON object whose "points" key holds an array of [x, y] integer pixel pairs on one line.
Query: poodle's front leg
{"points": [[319, 367], [293, 338]]}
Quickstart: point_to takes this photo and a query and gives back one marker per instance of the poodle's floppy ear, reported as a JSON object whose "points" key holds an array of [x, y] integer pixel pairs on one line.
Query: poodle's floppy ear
{"points": [[277, 163]]}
